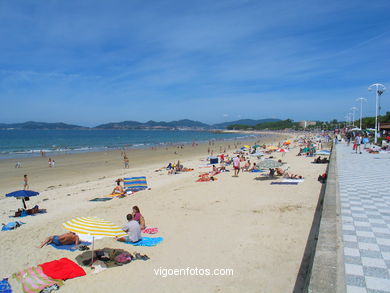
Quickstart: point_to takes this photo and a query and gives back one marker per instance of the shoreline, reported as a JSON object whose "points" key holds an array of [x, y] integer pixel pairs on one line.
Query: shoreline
{"points": [[90, 164], [22, 154]]}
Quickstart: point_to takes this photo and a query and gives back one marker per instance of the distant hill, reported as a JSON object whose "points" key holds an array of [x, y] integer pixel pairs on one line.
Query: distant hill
{"points": [[40, 125], [185, 123], [249, 122]]}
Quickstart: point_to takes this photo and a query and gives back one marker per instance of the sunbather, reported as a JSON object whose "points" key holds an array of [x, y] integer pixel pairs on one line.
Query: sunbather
{"points": [[279, 171], [214, 171], [118, 188], [137, 216], [292, 176], [246, 166], [133, 230], [64, 239], [254, 167]]}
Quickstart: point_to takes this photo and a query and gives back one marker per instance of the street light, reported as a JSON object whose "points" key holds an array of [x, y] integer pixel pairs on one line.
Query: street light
{"points": [[379, 90], [361, 99], [353, 115]]}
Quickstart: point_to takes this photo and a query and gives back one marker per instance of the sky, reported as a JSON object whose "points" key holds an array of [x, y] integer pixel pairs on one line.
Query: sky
{"points": [[92, 62]]}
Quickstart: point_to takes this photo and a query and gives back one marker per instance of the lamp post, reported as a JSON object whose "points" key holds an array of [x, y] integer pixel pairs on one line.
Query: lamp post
{"points": [[379, 90], [353, 115], [361, 99]]}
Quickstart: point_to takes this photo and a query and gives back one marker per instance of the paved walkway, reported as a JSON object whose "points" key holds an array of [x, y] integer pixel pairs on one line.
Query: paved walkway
{"points": [[364, 185]]}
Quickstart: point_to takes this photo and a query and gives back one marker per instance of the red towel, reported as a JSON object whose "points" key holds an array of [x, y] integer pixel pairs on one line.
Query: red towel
{"points": [[62, 269]]}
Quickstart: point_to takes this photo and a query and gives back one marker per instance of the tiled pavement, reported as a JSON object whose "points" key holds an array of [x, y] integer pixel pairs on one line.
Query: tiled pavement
{"points": [[364, 186]]}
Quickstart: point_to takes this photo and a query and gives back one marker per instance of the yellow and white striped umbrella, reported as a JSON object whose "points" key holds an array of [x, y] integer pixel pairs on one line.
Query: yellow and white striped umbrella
{"points": [[94, 226]]}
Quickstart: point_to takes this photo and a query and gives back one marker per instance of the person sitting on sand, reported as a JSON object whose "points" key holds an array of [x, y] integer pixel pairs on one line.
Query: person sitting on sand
{"points": [[64, 239], [222, 167], [279, 171], [271, 172], [246, 166], [254, 168], [138, 217], [133, 230], [214, 171], [118, 188]]}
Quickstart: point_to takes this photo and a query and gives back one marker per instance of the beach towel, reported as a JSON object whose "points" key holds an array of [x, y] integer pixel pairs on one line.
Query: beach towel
{"points": [[101, 199], [69, 247], [5, 286], [34, 280], [257, 171], [283, 183], [135, 183], [11, 225], [150, 230], [147, 241], [62, 269]]}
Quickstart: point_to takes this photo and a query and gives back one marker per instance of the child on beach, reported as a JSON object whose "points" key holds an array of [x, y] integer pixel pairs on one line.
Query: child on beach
{"points": [[25, 179]]}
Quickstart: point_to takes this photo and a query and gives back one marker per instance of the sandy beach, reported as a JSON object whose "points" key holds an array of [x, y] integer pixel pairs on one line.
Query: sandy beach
{"points": [[256, 229]]}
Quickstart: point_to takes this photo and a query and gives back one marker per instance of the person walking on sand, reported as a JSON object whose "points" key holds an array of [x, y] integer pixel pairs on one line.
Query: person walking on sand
{"points": [[126, 161], [49, 162], [358, 142], [236, 165], [26, 186]]}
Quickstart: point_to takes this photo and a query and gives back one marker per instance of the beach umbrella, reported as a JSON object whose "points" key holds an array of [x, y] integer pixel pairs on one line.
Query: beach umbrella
{"points": [[256, 146], [269, 164], [247, 146], [23, 194], [323, 152], [94, 226], [287, 142], [283, 151]]}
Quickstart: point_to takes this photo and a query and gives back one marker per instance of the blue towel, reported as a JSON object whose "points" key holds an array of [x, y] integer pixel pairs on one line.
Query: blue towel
{"points": [[5, 287], [69, 247], [11, 226], [147, 241], [256, 171], [285, 183]]}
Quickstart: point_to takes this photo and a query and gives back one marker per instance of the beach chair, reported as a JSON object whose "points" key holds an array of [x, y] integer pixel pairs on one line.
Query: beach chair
{"points": [[135, 183]]}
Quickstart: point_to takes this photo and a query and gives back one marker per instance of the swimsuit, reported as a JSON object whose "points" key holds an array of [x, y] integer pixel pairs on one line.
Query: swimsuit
{"points": [[56, 240]]}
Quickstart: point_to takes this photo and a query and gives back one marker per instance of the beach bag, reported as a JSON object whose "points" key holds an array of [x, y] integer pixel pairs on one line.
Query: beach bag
{"points": [[123, 258]]}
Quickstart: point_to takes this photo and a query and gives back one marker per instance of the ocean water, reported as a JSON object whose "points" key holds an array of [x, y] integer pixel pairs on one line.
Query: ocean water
{"points": [[28, 143]]}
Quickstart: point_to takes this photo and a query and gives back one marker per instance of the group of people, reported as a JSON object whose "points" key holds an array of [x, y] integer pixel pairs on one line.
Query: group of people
{"points": [[135, 224]]}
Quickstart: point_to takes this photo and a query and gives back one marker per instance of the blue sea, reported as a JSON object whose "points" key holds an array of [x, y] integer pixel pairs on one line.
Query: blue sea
{"points": [[29, 143]]}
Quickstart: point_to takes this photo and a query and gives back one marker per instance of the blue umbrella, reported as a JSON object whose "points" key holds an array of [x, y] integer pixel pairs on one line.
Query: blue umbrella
{"points": [[23, 194]]}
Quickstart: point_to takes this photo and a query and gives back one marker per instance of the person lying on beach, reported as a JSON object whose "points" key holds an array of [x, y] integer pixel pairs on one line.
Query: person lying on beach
{"points": [[118, 188], [133, 230], [292, 176], [64, 239], [137, 216]]}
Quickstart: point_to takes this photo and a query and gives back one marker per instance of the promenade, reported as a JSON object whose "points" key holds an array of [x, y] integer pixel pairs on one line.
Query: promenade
{"points": [[364, 192]]}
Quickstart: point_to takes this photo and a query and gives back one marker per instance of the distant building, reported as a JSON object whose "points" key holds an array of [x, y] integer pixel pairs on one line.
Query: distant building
{"points": [[385, 126], [305, 123]]}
